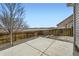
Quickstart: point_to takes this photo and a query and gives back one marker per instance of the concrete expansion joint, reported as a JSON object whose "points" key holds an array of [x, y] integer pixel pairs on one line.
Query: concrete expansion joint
{"points": [[36, 49], [46, 49]]}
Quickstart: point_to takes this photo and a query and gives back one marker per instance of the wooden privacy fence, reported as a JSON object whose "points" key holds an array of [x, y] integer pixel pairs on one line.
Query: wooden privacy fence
{"points": [[4, 38], [63, 32]]}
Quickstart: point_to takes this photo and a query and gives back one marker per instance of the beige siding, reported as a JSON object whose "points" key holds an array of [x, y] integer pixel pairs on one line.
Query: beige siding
{"points": [[67, 23], [77, 24], [70, 25]]}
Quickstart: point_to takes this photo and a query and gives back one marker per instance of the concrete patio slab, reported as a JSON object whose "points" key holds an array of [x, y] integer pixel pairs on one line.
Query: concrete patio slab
{"points": [[41, 43], [40, 46], [62, 38], [60, 48], [43, 55], [66, 38], [20, 50]]}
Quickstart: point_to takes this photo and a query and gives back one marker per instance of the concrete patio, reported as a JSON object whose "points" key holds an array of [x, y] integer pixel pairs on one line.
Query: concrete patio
{"points": [[40, 46]]}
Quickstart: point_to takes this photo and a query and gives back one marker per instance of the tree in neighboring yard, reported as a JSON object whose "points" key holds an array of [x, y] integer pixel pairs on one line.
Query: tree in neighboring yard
{"points": [[11, 17]]}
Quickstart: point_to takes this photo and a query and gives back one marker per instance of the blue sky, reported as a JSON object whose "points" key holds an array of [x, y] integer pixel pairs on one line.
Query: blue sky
{"points": [[46, 15]]}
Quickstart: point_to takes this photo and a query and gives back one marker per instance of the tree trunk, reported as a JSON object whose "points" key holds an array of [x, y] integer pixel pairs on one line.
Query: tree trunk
{"points": [[11, 38]]}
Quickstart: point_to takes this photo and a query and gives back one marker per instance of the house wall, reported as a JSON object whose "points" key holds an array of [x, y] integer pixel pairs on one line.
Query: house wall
{"points": [[76, 30], [67, 23], [70, 25]]}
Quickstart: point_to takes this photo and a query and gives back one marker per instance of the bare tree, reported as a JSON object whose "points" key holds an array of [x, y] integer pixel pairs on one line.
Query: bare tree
{"points": [[11, 17]]}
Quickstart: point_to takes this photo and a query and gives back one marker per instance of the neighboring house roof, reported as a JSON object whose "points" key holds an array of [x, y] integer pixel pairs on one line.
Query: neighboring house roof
{"points": [[66, 21]]}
